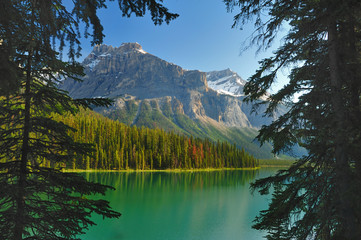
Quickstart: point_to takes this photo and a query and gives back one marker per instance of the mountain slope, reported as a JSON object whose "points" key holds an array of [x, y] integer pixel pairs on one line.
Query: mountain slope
{"points": [[119, 147], [151, 92]]}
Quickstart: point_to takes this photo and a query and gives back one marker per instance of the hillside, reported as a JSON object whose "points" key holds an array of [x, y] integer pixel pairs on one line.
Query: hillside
{"points": [[121, 147], [148, 91]]}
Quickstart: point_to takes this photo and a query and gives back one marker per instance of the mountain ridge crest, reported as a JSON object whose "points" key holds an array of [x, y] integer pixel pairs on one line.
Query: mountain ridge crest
{"points": [[149, 91]]}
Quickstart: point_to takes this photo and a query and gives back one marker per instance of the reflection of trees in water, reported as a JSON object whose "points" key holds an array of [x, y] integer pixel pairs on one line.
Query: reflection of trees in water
{"points": [[174, 181]]}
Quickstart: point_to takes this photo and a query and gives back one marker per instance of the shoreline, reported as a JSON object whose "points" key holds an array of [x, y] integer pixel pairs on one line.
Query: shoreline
{"points": [[157, 170], [269, 166]]}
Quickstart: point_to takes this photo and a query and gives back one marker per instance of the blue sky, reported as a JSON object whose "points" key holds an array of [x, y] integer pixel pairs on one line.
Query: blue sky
{"points": [[200, 38]]}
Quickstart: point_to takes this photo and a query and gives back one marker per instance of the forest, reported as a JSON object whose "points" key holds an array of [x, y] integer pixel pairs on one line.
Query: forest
{"points": [[120, 147], [318, 197]]}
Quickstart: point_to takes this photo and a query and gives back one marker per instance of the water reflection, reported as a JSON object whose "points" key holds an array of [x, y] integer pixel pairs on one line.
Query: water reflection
{"points": [[148, 181], [185, 205]]}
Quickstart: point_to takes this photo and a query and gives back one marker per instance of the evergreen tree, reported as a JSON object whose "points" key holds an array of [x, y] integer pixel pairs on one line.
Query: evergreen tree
{"points": [[319, 196], [37, 201]]}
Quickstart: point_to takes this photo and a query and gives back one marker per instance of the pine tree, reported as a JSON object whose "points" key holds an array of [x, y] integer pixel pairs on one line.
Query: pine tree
{"points": [[319, 196], [36, 201]]}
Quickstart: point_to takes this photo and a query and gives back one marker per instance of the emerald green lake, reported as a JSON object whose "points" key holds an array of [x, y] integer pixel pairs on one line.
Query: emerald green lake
{"points": [[216, 205]]}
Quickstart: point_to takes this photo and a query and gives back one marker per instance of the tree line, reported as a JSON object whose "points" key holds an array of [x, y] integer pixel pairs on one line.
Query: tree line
{"points": [[120, 147], [36, 201]]}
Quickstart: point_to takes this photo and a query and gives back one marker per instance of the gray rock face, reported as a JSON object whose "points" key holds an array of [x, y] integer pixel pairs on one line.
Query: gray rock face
{"points": [[128, 73], [128, 69]]}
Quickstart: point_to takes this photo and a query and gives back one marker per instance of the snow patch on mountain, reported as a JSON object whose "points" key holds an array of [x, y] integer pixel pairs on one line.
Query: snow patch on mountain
{"points": [[142, 51], [93, 63], [105, 55], [226, 82], [103, 52]]}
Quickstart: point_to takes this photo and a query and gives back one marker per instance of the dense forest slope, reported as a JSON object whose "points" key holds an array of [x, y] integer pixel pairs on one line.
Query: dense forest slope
{"points": [[151, 92], [118, 147]]}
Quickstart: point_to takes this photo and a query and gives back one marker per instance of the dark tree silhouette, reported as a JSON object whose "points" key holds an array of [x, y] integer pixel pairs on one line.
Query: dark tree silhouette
{"points": [[319, 196], [37, 201]]}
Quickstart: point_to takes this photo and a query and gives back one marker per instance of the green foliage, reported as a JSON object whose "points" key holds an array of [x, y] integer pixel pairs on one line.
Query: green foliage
{"points": [[189, 126], [37, 200], [126, 114], [53, 204], [276, 162], [167, 109], [119, 147], [150, 116], [153, 117], [158, 12], [318, 197]]}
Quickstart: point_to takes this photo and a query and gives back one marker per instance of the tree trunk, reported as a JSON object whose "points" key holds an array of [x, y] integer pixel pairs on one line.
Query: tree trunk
{"points": [[355, 91], [20, 199], [342, 167]]}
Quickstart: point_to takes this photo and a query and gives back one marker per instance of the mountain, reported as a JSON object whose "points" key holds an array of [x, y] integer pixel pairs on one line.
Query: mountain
{"points": [[152, 92], [226, 82]]}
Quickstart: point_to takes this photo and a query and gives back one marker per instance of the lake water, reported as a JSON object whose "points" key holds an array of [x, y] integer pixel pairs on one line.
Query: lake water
{"points": [[213, 205]]}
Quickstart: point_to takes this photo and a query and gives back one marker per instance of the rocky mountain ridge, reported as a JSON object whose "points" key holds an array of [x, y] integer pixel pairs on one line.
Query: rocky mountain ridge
{"points": [[152, 92], [128, 69], [226, 82]]}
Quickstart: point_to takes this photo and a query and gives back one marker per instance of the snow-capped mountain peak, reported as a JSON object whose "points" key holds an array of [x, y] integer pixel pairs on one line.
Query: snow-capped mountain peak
{"points": [[226, 82]]}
